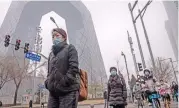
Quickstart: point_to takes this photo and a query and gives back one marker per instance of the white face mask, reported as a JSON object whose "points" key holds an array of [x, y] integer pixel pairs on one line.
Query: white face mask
{"points": [[147, 73], [113, 73]]}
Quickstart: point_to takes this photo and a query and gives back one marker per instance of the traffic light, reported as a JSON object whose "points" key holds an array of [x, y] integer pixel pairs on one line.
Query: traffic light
{"points": [[7, 40], [17, 46], [26, 48], [140, 66]]}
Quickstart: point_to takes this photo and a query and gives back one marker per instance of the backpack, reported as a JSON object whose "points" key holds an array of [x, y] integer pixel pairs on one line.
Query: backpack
{"points": [[83, 86]]}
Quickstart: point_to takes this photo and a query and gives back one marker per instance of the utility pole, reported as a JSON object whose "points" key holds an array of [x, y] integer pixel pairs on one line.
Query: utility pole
{"points": [[132, 52], [174, 70], [148, 42], [129, 81], [137, 36], [131, 8], [38, 48]]}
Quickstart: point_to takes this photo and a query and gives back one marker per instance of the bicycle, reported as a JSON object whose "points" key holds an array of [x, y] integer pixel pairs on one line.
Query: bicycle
{"points": [[154, 98], [140, 102], [165, 95], [176, 96], [166, 102]]}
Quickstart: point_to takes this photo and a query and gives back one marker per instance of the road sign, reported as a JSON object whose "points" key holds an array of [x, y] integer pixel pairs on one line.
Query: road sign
{"points": [[33, 57], [41, 86]]}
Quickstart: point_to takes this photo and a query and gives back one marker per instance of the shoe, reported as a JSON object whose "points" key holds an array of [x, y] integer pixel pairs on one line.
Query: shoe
{"points": [[150, 104]]}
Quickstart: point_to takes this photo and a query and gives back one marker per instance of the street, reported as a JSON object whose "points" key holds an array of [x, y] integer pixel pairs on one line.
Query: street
{"points": [[173, 105]]}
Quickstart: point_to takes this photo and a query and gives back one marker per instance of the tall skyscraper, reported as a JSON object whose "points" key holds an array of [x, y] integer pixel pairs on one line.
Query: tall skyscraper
{"points": [[171, 24], [23, 17]]}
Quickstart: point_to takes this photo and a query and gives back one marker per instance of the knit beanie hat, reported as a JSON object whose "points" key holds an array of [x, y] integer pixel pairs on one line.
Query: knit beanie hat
{"points": [[112, 69], [61, 31]]}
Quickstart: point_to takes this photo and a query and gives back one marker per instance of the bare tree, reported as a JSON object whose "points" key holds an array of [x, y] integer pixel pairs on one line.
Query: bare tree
{"points": [[22, 73], [163, 69], [6, 70]]}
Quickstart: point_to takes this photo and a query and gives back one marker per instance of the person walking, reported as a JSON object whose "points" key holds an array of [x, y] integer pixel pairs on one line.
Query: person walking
{"points": [[117, 92], [105, 95], [62, 80]]}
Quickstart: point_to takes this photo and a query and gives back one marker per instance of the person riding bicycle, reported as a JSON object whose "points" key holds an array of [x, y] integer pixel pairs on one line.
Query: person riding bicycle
{"points": [[164, 90], [175, 90], [138, 86], [150, 85], [137, 89]]}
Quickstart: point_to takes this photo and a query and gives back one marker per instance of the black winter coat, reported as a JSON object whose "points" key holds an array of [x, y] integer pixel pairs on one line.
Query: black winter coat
{"points": [[175, 88], [63, 71], [117, 92]]}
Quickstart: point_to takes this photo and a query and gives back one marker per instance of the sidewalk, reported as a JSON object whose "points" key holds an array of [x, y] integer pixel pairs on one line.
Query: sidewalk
{"points": [[89, 102], [86, 102]]}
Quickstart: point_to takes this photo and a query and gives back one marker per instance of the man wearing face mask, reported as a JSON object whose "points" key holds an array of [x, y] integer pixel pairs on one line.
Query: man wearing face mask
{"points": [[62, 79], [117, 92]]}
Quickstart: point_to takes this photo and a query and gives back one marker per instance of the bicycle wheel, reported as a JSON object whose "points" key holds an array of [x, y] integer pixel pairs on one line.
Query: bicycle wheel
{"points": [[156, 104], [140, 104]]}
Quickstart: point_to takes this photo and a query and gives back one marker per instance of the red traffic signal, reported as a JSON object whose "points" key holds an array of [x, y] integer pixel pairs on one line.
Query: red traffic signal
{"points": [[17, 46], [18, 41]]}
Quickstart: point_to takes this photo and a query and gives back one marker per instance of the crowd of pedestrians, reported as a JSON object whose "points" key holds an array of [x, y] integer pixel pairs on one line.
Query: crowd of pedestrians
{"points": [[64, 85]]}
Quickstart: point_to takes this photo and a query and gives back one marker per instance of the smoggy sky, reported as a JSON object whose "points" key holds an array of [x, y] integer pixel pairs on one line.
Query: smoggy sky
{"points": [[111, 20]]}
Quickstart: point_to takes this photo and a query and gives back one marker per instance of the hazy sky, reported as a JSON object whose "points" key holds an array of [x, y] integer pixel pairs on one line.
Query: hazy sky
{"points": [[112, 19]]}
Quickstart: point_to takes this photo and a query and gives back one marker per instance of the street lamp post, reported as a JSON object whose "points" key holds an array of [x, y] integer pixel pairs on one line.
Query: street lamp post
{"points": [[129, 81], [53, 20], [126, 65]]}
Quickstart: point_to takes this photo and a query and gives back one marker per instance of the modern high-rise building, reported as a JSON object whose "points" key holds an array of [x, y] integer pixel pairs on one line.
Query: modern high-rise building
{"points": [[171, 24], [23, 17]]}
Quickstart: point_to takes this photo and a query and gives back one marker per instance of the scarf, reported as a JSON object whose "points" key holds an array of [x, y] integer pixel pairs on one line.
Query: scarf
{"points": [[57, 48]]}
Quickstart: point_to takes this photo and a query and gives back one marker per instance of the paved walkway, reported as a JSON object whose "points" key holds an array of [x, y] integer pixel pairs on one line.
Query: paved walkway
{"points": [[98, 104], [83, 103]]}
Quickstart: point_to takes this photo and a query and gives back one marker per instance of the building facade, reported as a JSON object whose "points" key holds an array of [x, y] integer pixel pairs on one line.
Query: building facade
{"points": [[23, 17], [171, 24]]}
